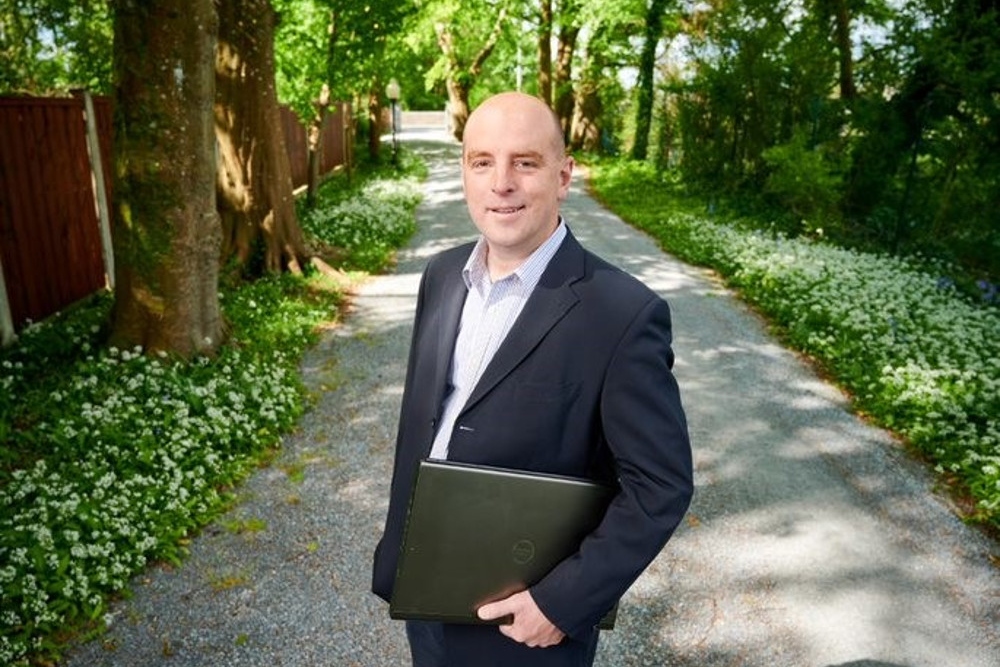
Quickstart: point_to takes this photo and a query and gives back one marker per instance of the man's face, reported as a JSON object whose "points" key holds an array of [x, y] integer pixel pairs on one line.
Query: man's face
{"points": [[515, 175]]}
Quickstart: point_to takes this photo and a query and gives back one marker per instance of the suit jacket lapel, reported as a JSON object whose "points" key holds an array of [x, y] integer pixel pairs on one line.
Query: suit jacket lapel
{"points": [[445, 331], [552, 298]]}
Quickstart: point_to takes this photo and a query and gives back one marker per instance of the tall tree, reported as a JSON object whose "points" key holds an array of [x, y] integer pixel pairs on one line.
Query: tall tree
{"points": [[569, 29], [752, 85], [652, 34], [841, 12], [465, 32], [606, 46], [302, 35], [345, 46], [930, 150], [545, 51], [254, 181], [166, 229]]}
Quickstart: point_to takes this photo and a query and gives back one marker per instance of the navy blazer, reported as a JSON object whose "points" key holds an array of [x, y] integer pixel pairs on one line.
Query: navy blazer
{"points": [[581, 386]]}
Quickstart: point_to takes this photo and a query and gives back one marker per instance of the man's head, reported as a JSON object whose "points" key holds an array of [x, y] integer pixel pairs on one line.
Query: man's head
{"points": [[516, 173]]}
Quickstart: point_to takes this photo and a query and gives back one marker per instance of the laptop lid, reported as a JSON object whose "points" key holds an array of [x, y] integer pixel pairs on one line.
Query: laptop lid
{"points": [[475, 534]]}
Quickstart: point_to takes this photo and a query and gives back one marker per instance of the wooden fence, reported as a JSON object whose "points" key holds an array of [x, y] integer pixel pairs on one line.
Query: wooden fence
{"points": [[50, 242], [336, 142], [51, 249]]}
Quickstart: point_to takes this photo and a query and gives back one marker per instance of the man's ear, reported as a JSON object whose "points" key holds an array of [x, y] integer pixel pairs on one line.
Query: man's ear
{"points": [[565, 176]]}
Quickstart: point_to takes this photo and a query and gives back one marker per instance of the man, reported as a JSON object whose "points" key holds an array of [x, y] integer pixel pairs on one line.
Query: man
{"points": [[529, 352]]}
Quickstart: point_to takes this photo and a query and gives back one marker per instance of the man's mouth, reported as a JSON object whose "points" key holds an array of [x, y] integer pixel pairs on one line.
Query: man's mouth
{"points": [[507, 210]]}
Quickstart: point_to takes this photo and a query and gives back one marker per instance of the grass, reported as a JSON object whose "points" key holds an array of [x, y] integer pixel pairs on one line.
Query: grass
{"points": [[917, 354], [111, 459]]}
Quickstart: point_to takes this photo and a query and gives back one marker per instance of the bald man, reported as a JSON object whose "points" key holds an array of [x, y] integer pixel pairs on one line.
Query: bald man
{"points": [[530, 352]]}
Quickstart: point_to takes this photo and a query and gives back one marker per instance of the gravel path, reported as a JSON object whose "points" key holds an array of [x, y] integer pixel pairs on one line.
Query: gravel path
{"points": [[811, 542]]}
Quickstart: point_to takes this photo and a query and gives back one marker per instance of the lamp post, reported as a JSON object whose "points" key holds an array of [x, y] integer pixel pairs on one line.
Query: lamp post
{"points": [[392, 92]]}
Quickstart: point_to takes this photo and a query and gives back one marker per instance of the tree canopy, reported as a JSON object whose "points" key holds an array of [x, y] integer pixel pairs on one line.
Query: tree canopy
{"points": [[49, 46]]}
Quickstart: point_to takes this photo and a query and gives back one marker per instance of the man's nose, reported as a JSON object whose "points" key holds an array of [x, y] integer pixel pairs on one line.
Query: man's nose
{"points": [[503, 180]]}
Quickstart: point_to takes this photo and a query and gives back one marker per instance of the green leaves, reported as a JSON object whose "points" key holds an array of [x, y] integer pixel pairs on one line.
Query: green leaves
{"points": [[367, 225], [342, 43], [50, 46]]}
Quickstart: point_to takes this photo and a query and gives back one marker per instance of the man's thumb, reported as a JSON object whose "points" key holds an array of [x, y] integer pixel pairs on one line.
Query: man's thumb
{"points": [[493, 610]]}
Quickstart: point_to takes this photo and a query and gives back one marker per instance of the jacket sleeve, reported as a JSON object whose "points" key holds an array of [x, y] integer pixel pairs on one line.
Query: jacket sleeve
{"points": [[645, 430], [386, 551]]}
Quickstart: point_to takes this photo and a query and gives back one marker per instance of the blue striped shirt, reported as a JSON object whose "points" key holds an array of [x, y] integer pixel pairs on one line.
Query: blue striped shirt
{"points": [[490, 310]]}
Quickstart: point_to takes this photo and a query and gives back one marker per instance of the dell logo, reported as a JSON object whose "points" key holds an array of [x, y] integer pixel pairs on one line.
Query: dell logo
{"points": [[523, 552]]}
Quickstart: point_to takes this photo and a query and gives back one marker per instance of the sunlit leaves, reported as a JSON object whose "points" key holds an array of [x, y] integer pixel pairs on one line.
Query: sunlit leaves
{"points": [[51, 46]]}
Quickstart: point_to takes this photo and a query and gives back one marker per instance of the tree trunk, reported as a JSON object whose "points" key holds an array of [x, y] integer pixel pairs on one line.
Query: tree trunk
{"points": [[586, 129], [166, 228], [458, 92], [322, 104], [374, 123], [842, 18], [460, 78], [564, 100], [256, 199], [545, 52], [458, 107], [647, 62]]}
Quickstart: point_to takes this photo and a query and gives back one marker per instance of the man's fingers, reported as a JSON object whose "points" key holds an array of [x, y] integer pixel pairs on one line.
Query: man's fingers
{"points": [[525, 623], [494, 610]]}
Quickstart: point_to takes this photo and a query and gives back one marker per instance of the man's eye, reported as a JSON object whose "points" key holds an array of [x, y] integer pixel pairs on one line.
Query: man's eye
{"points": [[525, 164], [479, 164]]}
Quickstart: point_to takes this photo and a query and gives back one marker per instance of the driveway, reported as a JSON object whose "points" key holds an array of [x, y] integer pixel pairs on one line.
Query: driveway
{"points": [[812, 540]]}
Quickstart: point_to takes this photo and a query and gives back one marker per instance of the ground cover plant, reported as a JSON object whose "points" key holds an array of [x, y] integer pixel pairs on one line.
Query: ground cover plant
{"points": [[915, 353], [110, 458], [366, 220]]}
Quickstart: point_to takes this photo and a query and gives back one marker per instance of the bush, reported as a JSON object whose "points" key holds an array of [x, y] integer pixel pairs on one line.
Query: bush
{"points": [[126, 453], [368, 224], [803, 181]]}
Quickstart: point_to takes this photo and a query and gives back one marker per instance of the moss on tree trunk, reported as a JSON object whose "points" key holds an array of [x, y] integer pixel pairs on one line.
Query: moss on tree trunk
{"points": [[166, 229]]}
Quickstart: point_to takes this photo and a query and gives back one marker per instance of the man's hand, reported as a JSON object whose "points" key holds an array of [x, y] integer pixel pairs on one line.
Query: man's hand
{"points": [[530, 627]]}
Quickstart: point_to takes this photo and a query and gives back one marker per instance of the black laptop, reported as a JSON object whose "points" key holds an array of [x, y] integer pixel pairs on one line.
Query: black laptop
{"points": [[475, 534]]}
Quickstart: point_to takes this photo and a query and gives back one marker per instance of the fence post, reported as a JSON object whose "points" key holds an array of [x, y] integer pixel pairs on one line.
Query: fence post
{"points": [[100, 194], [7, 334]]}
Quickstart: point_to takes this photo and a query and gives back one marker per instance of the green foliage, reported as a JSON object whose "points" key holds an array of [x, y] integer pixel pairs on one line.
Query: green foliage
{"points": [[469, 24], [918, 356], [907, 162], [745, 94], [126, 453], [807, 181], [300, 45], [367, 221], [111, 457], [350, 46], [51, 46]]}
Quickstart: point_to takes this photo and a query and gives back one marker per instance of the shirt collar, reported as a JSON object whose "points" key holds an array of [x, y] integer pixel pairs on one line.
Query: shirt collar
{"points": [[475, 270]]}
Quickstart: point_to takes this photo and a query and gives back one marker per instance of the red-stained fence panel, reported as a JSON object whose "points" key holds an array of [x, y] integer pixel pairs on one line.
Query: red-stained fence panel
{"points": [[50, 244]]}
